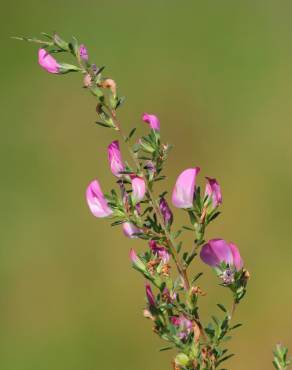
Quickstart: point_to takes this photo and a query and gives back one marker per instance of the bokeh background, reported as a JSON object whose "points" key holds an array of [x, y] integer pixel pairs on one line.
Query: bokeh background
{"points": [[218, 74]]}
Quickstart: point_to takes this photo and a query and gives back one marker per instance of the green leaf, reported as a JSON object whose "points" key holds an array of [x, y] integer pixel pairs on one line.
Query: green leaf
{"points": [[192, 217], [47, 35], [66, 68], [120, 101], [196, 277], [131, 134], [103, 124], [188, 228], [225, 358], [74, 47], [235, 326], [165, 348], [222, 307]]}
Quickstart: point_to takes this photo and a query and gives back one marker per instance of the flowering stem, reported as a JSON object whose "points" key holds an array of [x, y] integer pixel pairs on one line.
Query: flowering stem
{"points": [[170, 242], [169, 239]]}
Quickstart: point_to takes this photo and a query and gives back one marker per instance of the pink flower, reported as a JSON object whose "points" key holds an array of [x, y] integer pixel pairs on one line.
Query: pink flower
{"points": [[150, 296], [159, 251], [152, 120], [139, 189], [48, 62], [83, 52], [183, 324], [218, 251], [184, 190], [130, 230], [213, 191], [96, 201], [115, 158]]}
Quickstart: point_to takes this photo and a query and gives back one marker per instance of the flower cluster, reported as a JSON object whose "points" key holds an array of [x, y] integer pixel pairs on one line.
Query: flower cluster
{"points": [[172, 295]]}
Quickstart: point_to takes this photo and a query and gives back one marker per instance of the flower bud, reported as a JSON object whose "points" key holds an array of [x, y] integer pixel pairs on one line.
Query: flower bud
{"points": [[213, 191], [150, 295], [151, 169], [47, 62], [96, 201], [152, 120], [137, 262], [115, 158], [166, 212], [184, 190], [83, 53]]}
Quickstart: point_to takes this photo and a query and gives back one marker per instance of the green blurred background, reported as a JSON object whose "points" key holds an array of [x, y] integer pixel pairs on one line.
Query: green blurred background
{"points": [[218, 74]]}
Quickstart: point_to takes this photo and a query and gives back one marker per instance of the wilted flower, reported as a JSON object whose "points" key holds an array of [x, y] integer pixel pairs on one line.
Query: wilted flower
{"points": [[183, 324], [83, 52], [169, 296], [166, 212], [96, 201], [139, 189], [147, 314], [87, 80], [115, 159], [48, 62], [184, 190], [218, 251], [130, 230], [159, 251], [213, 191], [150, 295], [152, 120], [111, 84]]}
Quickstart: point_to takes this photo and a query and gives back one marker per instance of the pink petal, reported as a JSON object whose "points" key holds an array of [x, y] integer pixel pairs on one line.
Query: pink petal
{"points": [[48, 62], [115, 158], [130, 230], [213, 190], [237, 260], [96, 200], [152, 120], [139, 189], [215, 252], [183, 192]]}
